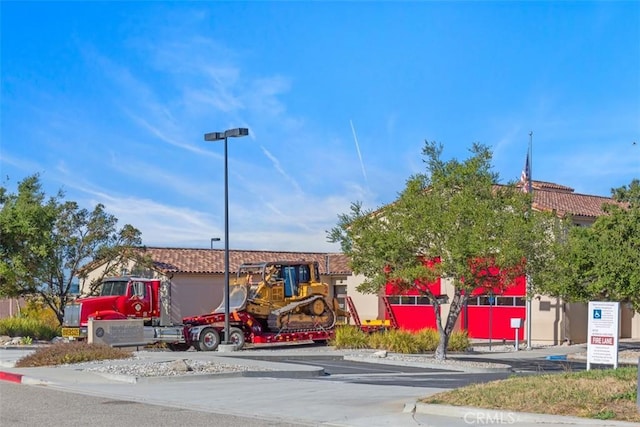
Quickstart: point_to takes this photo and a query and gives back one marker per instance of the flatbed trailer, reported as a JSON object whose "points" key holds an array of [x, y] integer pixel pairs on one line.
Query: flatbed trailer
{"points": [[206, 332]]}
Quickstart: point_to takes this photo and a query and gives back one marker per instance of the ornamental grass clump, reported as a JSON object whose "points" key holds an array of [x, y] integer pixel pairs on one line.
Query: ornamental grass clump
{"points": [[28, 327], [400, 341], [427, 340], [348, 336], [459, 341], [71, 352], [378, 340], [397, 340]]}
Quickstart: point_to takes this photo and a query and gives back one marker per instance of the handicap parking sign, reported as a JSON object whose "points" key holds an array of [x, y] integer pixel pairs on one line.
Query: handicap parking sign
{"points": [[597, 313]]}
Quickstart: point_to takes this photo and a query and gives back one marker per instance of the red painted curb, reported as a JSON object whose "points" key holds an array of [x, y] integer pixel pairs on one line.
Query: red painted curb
{"points": [[9, 376]]}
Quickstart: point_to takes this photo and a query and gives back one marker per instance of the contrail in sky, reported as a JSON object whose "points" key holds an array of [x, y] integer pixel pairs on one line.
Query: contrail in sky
{"points": [[355, 138]]}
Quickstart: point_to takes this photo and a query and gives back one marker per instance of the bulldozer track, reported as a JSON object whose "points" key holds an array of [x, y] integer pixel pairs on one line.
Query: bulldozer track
{"points": [[292, 317]]}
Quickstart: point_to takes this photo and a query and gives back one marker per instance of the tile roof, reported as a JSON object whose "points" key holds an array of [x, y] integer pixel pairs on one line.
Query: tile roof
{"points": [[544, 185], [185, 260], [548, 196]]}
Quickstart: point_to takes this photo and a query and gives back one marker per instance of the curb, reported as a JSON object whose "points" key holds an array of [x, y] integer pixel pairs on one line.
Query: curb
{"points": [[472, 415], [21, 379], [11, 377], [440, 366], [309, 372], [199, 377]]}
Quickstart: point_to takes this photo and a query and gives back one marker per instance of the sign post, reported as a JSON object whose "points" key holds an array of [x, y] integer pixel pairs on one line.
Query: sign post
{"points": [[602, 339], [516, 324]]}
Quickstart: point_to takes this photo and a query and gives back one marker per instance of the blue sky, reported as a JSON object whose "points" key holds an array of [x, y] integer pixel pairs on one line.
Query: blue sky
{"points": [[109, 101]]}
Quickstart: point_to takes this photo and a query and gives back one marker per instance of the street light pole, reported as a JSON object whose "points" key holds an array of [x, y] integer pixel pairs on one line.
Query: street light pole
{"points": [[223, 136], [529, 303]]}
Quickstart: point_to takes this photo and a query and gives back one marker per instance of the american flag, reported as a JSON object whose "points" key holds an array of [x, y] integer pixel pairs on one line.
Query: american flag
{"points": [[525, 177]]}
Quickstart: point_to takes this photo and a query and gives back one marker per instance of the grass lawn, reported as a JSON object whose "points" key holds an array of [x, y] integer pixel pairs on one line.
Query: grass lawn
{"points": [[601, 394]]}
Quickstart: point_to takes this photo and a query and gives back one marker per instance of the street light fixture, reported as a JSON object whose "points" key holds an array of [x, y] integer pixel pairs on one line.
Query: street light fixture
{"points": [[214, 239], [223, 136]]}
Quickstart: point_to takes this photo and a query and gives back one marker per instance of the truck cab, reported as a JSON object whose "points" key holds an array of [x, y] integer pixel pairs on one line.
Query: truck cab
{"points": [[121, 297]]}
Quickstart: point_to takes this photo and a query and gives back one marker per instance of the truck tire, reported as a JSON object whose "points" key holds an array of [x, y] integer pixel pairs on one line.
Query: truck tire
{"points": [[208, 340], [236, 337]]}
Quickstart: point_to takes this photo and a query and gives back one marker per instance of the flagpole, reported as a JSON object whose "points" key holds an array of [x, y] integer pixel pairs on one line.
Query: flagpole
{"points": [[528, 279]]}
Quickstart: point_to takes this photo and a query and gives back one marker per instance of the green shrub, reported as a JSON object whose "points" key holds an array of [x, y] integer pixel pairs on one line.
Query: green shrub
{"points": [[71, 352], [423, 341], [459, 341], [26, 327], [400, 341], [427, 340], [378, 340], [348, 336]]}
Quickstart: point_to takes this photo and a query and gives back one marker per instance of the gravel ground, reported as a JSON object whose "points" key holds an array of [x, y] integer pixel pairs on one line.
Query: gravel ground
{"points": [[173, 368], [427, 359]]}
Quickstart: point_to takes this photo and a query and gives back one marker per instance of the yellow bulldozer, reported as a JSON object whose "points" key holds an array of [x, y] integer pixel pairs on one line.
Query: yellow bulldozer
{"points": [[284, 296]]}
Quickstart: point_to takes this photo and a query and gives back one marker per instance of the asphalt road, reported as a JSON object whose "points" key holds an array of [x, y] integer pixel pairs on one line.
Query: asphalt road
{"points": [[393, 375], [34, 406]]}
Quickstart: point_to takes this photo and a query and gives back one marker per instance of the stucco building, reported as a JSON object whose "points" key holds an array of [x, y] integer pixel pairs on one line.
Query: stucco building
{"points": [[553, 321]]}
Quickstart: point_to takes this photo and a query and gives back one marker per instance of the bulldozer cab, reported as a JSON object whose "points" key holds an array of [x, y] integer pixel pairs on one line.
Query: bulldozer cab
{"points": [[293, 275]]}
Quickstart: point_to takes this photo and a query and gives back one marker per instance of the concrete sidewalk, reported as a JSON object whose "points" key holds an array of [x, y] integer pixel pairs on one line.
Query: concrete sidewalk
{"points": [[284, 392]]}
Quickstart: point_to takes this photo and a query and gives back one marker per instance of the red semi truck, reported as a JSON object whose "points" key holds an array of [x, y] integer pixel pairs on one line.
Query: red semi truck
{"points": [[269, 302]]}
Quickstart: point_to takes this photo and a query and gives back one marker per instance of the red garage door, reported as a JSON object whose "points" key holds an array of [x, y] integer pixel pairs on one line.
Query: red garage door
{"points": [[488, 315], [412, 313]]}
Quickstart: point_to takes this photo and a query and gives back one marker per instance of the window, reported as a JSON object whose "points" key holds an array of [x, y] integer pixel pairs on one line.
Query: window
{"points": [[304, 275], [501, 301], [393, 300], [422, 301], [291, 280], [138, 289], [408, 300], [506, 301], [113, 288], [484, 300]]}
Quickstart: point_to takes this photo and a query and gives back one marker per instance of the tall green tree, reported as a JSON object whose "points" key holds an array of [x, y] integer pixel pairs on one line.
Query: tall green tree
{"points": [[456, 213], [602, 261], [44, 242]]}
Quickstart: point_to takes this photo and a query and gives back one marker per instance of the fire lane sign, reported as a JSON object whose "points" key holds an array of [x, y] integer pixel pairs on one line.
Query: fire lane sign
{"points": [[602, 340], [603, 327]]}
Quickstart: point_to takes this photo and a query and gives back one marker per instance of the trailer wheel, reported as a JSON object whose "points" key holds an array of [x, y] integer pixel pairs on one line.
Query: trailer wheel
{"points": [[236, 337], [209, 339]]}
